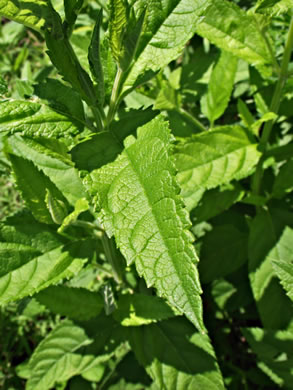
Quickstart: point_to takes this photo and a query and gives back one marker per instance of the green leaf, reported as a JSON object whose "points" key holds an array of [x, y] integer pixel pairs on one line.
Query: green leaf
{"points": [[58, 168], [94, 59], [216, 201], [215, 102], [33, 185], [81, 205], [265, 233], [175, 356], [223, 251], [167, 98], [72, 8], [56, 207], [274, 351], [30, 13], [139, 309], [24, 230], [171, 25], [54, 359], [28, 271], [76, 303], [273, 7], [284, 181], [109, 66], [244, 113], [268, 116], [140, 206], [63, 99], [226, 25], [95, 151], [167, 28], [65, 60], [213, 158], [34, 119], [117, 26], [283, 265], [33, 256]]}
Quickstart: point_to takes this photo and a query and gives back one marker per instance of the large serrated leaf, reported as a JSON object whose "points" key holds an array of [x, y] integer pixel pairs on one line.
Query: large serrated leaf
{"points": [[210, 159], [175, 357], [58, 168], [31, 13], [55, 360], [140, 206], [76, 303], [34, 119]]}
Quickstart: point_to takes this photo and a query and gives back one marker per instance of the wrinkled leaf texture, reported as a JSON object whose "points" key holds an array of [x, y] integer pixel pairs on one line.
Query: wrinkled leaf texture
{"points": [[139, 204]]}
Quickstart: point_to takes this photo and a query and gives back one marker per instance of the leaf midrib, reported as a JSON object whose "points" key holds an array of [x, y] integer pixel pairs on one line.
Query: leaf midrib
{"points": [[141, 182]]}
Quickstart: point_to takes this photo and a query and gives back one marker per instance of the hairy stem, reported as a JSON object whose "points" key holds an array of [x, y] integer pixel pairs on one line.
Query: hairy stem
{"points": [[274, 107], [191, 119]]}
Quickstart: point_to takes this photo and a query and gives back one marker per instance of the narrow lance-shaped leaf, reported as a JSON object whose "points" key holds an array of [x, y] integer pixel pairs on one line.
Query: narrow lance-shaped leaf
{"points": [[213, 158], [215, 102], [117, 26], [140, 206], [64, 58], [94, 59]]}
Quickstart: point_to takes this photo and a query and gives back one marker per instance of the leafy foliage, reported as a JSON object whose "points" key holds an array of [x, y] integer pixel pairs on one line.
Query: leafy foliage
{"points": [[147, 148]]}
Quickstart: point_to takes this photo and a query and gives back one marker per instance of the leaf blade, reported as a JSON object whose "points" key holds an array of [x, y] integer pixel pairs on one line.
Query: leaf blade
{"points": [[213, 158], [161, 249]]}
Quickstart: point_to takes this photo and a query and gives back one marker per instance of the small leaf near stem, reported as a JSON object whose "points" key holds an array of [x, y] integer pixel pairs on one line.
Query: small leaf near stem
{"points": [[114, 97], [274, 107], [113, 257]]}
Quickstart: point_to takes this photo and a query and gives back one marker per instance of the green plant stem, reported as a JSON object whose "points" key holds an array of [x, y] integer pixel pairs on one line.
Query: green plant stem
{"points": [[114, 97], [198, 125], [274, 107], [99, 116]]}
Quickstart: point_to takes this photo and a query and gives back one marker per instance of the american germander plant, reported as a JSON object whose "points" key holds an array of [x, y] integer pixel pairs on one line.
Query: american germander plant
{"points": [[163, 122]]}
